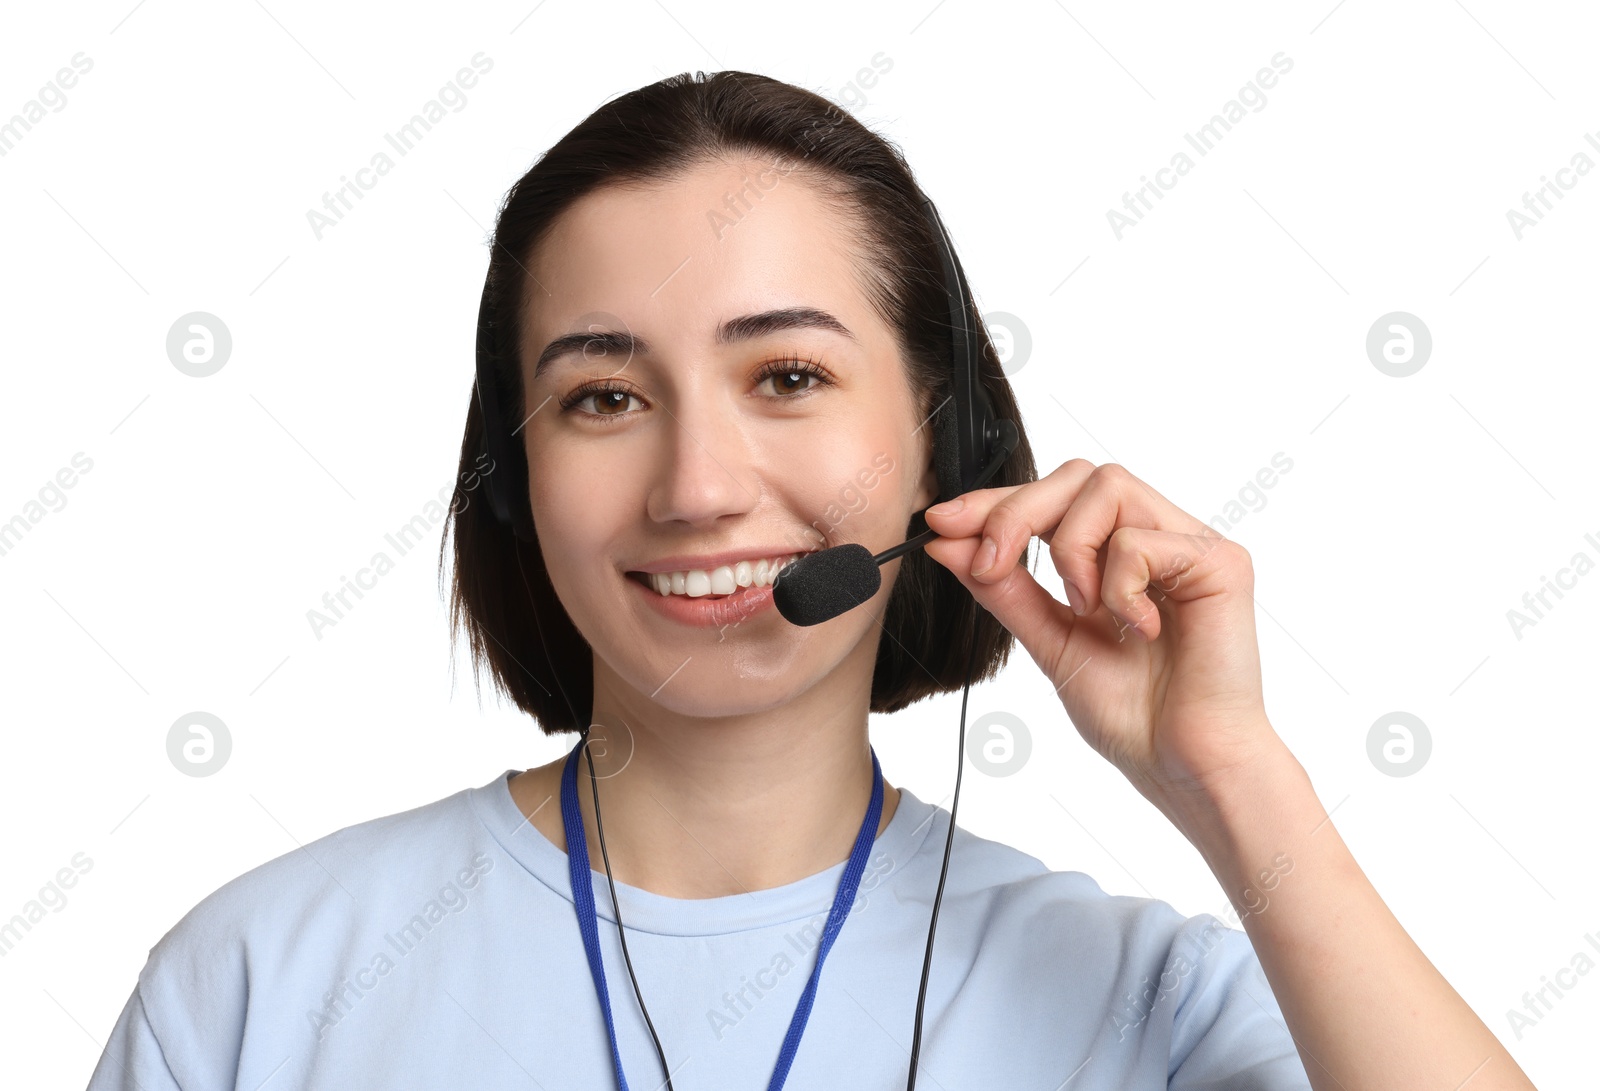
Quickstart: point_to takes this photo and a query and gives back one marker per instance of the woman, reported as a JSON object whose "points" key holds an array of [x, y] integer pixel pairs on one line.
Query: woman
{"points": [[719, 311]]}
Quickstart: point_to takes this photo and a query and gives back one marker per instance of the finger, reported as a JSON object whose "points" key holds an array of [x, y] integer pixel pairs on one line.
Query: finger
{"points": [[1145, 569], [1039, 621], [1109, 499], [1011, 515]]}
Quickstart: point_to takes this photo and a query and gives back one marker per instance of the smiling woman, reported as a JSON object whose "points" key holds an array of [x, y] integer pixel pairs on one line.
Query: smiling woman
{"points": [[687, 407], [762, 370]]}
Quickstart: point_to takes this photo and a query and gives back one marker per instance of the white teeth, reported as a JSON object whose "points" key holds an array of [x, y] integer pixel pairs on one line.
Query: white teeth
{"points": [[722, 580]]}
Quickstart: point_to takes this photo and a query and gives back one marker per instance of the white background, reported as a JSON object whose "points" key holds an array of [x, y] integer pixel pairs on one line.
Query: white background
{"points": [[1228, 326]]}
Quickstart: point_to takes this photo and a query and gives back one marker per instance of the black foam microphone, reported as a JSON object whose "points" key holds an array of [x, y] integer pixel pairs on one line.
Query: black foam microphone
{"points": [[822, 585]]}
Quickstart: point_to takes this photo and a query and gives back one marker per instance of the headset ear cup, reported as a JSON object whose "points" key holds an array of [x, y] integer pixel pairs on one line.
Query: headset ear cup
{"points": [[516, 483], [519, 504], [523, 527], [947, 452], [947, 447]]}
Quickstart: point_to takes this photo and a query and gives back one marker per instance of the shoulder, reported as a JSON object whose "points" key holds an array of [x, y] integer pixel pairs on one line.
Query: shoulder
{"points": [[269, 934], [1071, 907], [330, 878], [1023, 889], [1188, 988]]}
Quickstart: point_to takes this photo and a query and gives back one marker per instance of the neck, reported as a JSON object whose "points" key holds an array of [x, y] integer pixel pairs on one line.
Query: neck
{"points": [[703, 808]]}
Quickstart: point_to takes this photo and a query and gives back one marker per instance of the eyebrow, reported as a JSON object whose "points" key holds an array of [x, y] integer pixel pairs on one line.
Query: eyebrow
{"points": [[744, 328]]}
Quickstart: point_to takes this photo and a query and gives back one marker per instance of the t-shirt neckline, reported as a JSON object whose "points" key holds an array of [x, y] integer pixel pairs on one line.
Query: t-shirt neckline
{"points": [[645, 911]]}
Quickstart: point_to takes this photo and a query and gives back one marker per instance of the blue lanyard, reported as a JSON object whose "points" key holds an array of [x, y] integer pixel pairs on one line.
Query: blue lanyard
{"points": [[583, 902]]}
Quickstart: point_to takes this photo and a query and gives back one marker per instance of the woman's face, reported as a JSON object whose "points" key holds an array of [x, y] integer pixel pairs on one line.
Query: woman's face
{"points": [[656, 442]]}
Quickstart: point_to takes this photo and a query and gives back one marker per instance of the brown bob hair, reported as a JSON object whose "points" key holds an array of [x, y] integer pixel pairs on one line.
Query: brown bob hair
{"points": [[534, 653]]}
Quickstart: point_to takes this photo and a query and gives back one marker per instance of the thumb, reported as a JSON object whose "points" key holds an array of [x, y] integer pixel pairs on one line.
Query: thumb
{"points": [[1039, 621]]}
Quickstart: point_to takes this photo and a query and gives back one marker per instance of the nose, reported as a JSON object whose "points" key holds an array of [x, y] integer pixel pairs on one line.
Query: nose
{"points": [[704, 468]]}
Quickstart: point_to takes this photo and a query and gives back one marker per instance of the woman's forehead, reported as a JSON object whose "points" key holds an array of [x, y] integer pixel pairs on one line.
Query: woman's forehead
{"points": [[696, 233], [654, 257]]}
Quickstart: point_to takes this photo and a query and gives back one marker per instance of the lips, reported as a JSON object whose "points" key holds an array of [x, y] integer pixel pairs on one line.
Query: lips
{"points": [[645, 581], [683, 561], [706, 611], [725, 579]]}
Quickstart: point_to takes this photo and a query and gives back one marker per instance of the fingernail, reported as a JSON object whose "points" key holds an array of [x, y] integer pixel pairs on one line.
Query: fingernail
{"points": [[985, 558], [1074, 598], [949, 507]]}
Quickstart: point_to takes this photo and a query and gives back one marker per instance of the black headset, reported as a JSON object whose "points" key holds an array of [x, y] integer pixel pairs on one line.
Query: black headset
{"points": [[970, 446]]}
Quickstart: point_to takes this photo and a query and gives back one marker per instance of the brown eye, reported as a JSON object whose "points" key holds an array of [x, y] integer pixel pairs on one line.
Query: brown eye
{"points": [[608, 400], [789, 377], [611, 402], [790, 382]]}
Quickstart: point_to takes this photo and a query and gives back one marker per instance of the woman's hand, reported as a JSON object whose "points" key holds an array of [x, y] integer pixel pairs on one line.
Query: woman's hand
{"points": [[1160, 673]]}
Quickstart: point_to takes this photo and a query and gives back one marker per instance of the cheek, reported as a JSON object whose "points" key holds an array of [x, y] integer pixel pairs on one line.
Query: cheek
{"points": [[578, 510], [861, 489]]}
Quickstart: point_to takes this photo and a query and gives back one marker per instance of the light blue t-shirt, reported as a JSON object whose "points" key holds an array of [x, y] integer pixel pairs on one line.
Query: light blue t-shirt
{"points": [[439, 948]]}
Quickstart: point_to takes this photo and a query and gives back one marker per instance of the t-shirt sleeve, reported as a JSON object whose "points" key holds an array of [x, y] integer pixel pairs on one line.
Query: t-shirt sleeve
{"points": [[1228, 1031], [132, 1059]]}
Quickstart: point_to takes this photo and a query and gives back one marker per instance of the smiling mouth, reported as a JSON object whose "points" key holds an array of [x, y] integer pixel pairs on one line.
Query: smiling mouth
{"points": [[644, 581], [721, 582]]}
